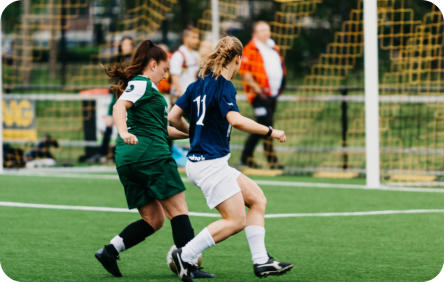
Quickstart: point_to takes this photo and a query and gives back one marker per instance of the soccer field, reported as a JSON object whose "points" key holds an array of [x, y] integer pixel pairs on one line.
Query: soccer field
{"points": [[331, 232]]}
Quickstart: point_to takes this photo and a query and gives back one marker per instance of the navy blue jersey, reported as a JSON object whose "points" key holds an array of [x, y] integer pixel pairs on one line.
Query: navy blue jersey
{"points": [[207, 102]]}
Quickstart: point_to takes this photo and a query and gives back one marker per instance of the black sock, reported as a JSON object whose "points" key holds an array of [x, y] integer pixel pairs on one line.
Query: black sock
{"points": [[182, 230], [135, 233]]}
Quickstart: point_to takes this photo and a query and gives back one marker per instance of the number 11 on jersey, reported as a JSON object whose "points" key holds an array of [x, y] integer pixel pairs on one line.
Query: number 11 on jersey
{"points": [[200, 117]]}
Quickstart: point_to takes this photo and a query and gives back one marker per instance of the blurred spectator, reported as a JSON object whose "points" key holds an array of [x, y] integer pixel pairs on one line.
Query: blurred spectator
{"points": [[12, 157], [184, 64], [263, 73], [179, 154], [41, 155], [164, 85], [8, 51], [125, 50]]}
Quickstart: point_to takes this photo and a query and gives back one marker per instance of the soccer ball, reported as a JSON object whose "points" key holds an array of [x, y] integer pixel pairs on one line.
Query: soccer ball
{"points": [[171, 263]]}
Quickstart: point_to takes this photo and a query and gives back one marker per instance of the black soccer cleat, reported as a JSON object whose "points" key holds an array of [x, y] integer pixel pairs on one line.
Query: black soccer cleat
{"points": [[271, 267], [199, 273], [184, 269], [108, 257]]}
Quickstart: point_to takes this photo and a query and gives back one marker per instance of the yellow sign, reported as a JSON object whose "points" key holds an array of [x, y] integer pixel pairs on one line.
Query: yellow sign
{"points": [[19, 119]]}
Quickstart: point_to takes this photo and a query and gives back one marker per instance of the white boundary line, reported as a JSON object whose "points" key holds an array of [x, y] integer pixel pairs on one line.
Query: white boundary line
{"points": [[203, 214], [276, 183], [347, 186]]}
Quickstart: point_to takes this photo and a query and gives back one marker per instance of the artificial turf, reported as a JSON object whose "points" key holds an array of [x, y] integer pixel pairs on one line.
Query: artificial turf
{"points": [[59, 245]]}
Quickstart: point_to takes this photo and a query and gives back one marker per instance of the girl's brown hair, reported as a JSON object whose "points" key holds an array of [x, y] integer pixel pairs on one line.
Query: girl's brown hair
{"points": [[226, 50], [121, 74]]}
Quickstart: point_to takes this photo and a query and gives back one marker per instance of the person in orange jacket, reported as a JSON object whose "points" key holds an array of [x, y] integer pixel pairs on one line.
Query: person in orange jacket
{"points": [[263, 77]]}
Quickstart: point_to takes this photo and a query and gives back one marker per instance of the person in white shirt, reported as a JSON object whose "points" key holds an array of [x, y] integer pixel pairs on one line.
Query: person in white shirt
{"points": [[263, 76], [185, 62]]}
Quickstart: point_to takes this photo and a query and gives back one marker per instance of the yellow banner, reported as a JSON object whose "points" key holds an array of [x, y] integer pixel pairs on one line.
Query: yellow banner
{"points": [[20, 134], [19, 119]]}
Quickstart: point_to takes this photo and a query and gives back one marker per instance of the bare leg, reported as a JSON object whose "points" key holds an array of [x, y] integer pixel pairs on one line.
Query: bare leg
{"points": [[254, 199], [175, 205], [233, 218], [176, 210], [152, 214], [255, 232]]}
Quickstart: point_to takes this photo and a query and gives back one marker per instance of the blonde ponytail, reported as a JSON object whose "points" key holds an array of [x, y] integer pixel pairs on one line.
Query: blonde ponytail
{"points": [[226, 50]]}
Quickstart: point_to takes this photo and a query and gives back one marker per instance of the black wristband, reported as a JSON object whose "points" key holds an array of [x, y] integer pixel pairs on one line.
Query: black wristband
{"points": [[270, 130]]}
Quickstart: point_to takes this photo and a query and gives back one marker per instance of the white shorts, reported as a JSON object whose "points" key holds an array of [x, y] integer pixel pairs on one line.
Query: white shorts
{"points": [[216, 179]]}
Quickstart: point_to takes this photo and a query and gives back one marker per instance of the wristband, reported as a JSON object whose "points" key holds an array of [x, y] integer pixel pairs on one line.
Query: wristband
{"points": [[270, 130]]}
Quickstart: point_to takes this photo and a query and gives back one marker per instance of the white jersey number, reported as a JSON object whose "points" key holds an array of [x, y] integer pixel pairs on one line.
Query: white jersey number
{"points": [[200, 116]]}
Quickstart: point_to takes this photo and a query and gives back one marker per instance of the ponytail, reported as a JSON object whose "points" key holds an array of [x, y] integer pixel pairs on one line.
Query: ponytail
{"points": [[121, 73], [226, 50]]}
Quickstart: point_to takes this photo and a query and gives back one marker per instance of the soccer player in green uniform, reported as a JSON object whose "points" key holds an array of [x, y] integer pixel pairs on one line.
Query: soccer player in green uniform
{"points": [[143, 159]]}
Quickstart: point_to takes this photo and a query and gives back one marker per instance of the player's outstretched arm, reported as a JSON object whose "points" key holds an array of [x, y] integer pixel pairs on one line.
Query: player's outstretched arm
{"points": [[119, 118], [175, 117], [245, 124], [176, 134]]}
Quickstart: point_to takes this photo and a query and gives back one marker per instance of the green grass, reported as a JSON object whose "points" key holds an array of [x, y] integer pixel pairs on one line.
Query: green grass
{"points": [[58, 245]]}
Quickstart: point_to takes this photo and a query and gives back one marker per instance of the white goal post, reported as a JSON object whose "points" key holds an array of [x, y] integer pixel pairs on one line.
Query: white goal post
{"points": [[215, 28], [372, 162]]}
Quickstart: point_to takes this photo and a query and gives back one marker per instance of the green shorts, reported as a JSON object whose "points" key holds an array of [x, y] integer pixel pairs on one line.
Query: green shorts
{"points": [[147, 181]]}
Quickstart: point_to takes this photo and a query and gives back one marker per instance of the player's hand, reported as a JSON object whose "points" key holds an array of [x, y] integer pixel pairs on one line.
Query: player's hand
{"points": [[259, 91], [279, 135], [129, 138]]}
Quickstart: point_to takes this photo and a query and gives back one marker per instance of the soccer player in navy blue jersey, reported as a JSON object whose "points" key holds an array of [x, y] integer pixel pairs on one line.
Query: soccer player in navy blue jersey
{"points": [[210, 105]]}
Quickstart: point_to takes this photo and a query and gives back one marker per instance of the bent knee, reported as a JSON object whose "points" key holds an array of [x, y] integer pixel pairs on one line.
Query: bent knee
{"points": [[263, 201], [155, 222], [259, 202], [239, 223]]}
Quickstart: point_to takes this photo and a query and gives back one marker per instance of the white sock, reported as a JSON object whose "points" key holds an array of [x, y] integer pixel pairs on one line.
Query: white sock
{"points": [[117, 242], [256, 239], [193, 248]]}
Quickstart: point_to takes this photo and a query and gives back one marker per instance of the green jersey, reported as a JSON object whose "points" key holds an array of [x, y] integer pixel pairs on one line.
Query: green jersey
{"points": [[148, 120]]}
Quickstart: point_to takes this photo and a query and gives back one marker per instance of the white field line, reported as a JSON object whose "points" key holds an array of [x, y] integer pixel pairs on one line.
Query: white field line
{"points": [[347, 186], [276, 183], [64, 175], [203, 214]]}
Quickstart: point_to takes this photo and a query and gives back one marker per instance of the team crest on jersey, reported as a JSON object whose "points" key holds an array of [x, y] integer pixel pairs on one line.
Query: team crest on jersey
{"points": [[130, 88]]}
